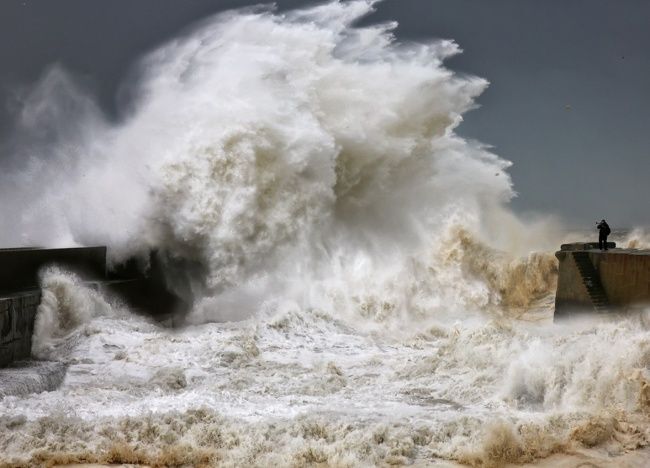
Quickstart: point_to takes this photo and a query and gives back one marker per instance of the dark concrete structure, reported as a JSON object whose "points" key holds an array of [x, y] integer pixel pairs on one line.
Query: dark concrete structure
{"points": [[17, 314], [19, 268], [601, 281], [143, 288]]}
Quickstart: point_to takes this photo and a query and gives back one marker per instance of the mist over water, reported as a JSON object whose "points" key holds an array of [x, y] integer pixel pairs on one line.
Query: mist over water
{"points": [[361, 292]]}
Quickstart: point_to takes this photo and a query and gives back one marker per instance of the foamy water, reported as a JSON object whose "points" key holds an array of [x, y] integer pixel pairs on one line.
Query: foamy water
{"points": [[298, 387], [361, 293]]}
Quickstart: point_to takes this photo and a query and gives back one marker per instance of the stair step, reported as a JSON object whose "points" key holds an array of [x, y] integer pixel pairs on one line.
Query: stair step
{"points": [[591, 281]]}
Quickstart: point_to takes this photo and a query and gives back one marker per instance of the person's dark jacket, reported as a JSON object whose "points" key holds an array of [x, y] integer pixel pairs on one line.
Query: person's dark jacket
{"points": [[604, 229]]}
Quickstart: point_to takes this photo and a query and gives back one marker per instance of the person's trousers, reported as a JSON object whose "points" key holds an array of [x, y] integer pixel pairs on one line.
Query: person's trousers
{"points": [[602, 242]]}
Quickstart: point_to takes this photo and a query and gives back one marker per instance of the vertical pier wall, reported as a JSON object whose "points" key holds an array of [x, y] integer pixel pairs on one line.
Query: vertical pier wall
{"points": [[17, 314], [625, 276], [623, 273]]}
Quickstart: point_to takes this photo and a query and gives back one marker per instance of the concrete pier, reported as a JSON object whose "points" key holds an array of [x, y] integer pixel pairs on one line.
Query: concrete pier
{"points": [[602, 281], [20, 295], [17, 314]]}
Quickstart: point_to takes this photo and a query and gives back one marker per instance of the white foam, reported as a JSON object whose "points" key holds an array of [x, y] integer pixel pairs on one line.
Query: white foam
{"points": [[271, 157]]}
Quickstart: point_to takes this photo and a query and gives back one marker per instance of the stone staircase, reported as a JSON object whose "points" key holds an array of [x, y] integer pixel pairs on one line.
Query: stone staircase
{"points": [[591, 280]]}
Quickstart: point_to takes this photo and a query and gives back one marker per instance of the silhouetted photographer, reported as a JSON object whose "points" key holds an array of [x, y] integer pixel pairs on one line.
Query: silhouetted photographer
{"points": [[603, 232]]}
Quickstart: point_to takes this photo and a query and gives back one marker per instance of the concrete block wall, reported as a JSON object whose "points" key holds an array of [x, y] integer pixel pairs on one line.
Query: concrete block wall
{"points": [[625, 276], [571, 294], [17, 314]]}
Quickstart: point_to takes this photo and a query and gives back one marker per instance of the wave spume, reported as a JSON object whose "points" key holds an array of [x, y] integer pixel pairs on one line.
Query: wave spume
{"points": [[305, 388], [276, 155]]}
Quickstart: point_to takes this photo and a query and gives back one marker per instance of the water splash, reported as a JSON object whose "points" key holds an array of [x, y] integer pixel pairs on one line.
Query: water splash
{"points": [[267, 153]]}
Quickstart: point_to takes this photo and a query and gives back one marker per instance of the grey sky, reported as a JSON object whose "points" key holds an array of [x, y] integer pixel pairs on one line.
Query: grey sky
{"points": [[569, 101]]}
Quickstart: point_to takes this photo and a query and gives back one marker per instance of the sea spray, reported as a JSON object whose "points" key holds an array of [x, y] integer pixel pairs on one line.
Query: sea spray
{"points": [[66, 304], [269, 154]]}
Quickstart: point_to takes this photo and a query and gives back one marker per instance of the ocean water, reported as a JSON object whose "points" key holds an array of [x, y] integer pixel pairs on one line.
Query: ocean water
{"points": [[295, 387], [362, 294]]}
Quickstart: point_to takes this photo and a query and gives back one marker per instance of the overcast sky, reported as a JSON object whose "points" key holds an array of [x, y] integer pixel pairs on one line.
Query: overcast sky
{"points": [[569, 101]]}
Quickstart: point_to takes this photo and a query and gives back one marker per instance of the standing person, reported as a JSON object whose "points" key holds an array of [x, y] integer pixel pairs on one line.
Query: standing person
{"points": [[603, 232]]}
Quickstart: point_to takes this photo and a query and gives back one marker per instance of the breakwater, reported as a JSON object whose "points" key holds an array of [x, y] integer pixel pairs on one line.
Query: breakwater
{"points": [[602, 281], [17, 314], [143, 289]]}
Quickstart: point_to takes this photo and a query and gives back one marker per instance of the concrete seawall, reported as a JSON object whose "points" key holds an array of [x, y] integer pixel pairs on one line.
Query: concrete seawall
{"points": [[144, 292], [17, 313], [602, 281]]}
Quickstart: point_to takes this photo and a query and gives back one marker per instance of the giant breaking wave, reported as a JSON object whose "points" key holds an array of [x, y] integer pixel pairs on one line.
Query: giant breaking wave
{"points": [[273, 153]]}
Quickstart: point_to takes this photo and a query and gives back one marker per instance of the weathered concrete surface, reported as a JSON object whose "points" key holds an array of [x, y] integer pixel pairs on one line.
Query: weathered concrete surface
{"points": [[584, 246], [17, 314], [24, 377], [623, 273]]}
